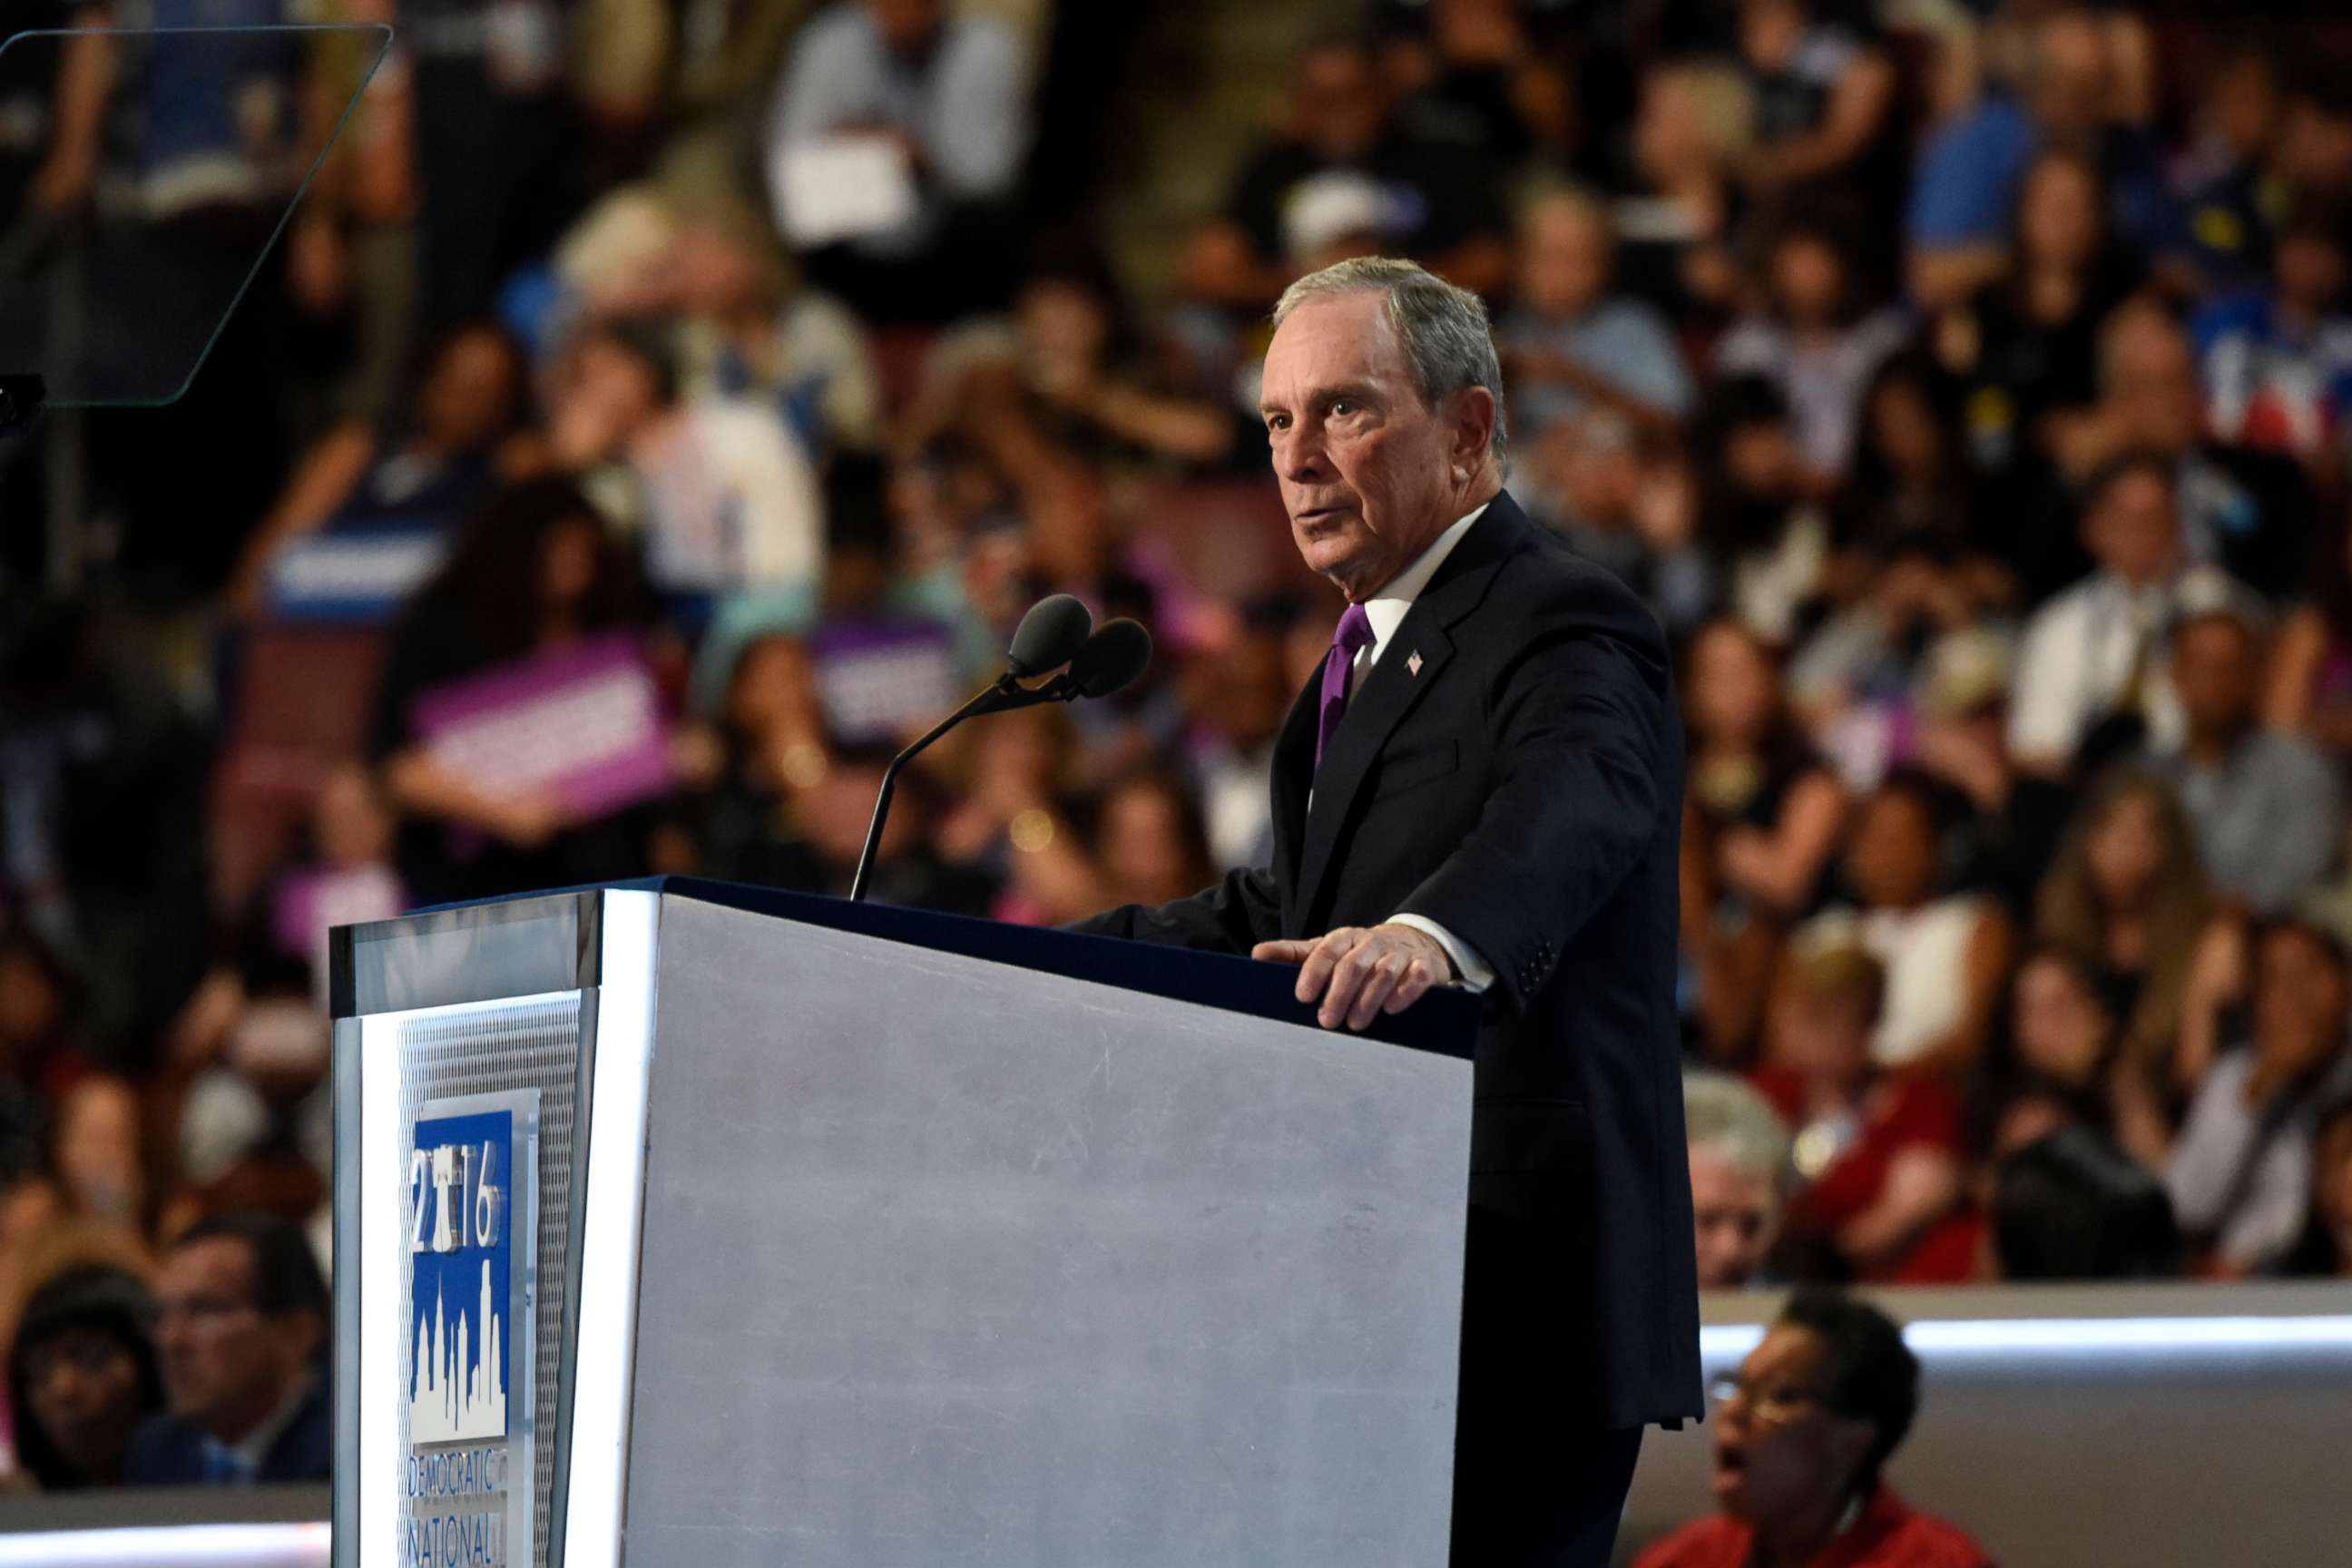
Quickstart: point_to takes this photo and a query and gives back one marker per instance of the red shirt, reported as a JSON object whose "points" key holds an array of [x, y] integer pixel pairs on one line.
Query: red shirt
{"points": [[1900, 1112], [1887, 1534]]}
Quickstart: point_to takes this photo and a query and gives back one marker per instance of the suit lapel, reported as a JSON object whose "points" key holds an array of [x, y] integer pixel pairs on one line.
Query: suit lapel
{"points": [[1414, 661], [1293, 775]]}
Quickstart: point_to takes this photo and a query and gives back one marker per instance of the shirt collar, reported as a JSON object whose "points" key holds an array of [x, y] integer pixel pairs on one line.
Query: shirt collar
{"points": [[1386, 609]]}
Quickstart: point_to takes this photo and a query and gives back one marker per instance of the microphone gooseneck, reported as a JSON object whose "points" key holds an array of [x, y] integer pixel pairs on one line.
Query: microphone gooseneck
{"points": [[1055, 632]]}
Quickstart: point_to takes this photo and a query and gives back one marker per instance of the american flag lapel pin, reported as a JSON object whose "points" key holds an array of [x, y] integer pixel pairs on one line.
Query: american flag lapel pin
{"points": [[1412, 665]]}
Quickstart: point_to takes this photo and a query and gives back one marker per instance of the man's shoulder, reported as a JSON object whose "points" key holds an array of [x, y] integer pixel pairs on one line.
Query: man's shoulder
{"points": [[1544, 585]]}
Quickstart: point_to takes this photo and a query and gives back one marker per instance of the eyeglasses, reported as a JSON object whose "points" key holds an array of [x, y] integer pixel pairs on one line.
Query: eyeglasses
{"points": [[1773, 1405]]}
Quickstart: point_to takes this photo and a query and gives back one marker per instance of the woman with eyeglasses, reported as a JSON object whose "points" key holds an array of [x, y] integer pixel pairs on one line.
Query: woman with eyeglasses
{"points": [[1801, 1431], [81, 1376]]}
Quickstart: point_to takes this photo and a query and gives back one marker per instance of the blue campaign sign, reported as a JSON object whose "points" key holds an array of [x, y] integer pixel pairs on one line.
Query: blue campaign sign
{"points": [[461, 1259]]}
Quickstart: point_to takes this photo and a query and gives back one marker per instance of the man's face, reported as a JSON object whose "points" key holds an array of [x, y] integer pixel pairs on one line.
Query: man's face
{"points": [[1368, 472], [2134, 528], [2152, 373], [2214, 669], [226, 1365], [1778, 1450], [1563, 257], [1739, 1220]]}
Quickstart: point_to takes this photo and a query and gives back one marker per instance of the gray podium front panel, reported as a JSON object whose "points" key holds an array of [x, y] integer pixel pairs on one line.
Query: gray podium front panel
{"points": [[945, 1262]]}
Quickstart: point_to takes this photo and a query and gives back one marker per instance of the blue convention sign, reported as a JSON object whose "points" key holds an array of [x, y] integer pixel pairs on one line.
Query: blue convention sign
{"points": [[468, 1371]]}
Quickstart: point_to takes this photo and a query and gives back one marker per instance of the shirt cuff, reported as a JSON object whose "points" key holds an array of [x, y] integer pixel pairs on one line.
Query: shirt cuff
{"points": [[1476, 976]]}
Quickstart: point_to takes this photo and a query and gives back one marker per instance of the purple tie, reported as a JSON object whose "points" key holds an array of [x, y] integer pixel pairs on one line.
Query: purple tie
{"points": [[1353, 636]]}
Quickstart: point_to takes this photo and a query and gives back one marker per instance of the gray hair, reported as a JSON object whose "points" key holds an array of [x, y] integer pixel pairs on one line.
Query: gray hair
{"points": [[1723, 1114], [1442, 330]]}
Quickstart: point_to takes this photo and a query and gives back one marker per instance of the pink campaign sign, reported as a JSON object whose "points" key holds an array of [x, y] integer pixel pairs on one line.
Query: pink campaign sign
{"points": [[583, 724]]}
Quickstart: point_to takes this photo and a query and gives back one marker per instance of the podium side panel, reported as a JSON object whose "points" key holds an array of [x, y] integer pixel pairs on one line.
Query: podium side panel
{"points": [[947, 1262]]}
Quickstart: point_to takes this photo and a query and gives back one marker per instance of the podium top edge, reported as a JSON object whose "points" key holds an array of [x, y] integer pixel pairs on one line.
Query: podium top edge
{"points": [[530, 943]]}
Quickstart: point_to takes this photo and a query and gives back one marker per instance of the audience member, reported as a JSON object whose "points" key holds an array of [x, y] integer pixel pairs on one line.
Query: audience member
{"points": [[2241, 1174], [1739, 1174], [1944, 953], [1568, 343], [1878, 1152], [1344, 169], [535, 574], [944, 100], [2126, 895], [1768, 538], [2266, 808], [1802, 1431], [83, 1377], [2277, 362], [242, 1331], [424, 475], [2098, 650], [1817, 341], [2308, 689], [1675, 222], [2073, 1205], [1760, 820]]}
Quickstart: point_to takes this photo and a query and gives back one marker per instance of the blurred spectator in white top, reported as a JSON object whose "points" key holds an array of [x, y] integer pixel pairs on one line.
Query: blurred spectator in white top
{"points": [[2239, 1173], [1817, 341], [2098, 649], [949, 98], [1568, 343], [1945, 955], [2267, 807], [1739, 1176]]}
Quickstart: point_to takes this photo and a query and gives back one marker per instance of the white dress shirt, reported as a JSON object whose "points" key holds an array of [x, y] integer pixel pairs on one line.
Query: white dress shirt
{"points": [[1386, 611]]}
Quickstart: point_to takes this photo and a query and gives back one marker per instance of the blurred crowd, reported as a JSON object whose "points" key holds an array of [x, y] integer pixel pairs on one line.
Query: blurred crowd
{"points": [[654, 413]]}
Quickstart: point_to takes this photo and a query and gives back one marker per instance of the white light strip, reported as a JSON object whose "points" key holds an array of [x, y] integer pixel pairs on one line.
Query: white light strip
{"points": [[604, 1361], [170, 1546], [382, 1263], [383, 1251], [2080, 1336]]}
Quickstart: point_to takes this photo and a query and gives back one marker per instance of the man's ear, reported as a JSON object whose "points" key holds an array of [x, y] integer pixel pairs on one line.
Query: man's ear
{"points": [[1474, 430]]}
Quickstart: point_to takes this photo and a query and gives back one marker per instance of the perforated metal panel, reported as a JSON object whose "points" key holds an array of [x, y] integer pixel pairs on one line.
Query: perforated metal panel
{"points": [[477, 1049]]}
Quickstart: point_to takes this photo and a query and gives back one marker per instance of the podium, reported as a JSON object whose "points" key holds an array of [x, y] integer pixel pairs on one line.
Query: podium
{"points": [[683, 1223]]}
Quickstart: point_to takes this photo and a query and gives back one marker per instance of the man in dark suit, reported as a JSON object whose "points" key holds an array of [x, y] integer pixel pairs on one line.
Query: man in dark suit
{"points": [[242, 1322], [1483, 786]]}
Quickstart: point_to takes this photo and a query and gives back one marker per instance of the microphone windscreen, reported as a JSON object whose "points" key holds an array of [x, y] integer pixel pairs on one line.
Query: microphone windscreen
{"points": [[1049, 636], [1112, 657]]}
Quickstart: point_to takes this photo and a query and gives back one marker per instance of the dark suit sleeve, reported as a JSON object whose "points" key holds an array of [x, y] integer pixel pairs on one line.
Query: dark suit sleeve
{"points": [[1232, 917], [1581, 746]]}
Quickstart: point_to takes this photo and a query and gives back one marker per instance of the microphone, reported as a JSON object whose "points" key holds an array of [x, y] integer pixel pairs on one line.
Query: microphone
{"points": [[1052, 633], [1108, 662]]}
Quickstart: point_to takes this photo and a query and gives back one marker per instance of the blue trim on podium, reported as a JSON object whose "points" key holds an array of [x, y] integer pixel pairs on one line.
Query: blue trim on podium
{"points": [[1444, 1022]]}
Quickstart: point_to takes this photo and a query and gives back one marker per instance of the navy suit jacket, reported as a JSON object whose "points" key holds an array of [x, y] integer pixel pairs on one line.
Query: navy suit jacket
{"points": [[1524, 789], [168, 1450]]}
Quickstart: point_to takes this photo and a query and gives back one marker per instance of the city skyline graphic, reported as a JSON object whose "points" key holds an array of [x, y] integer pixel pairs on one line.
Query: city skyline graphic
{"points": [[457, 1390]]}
